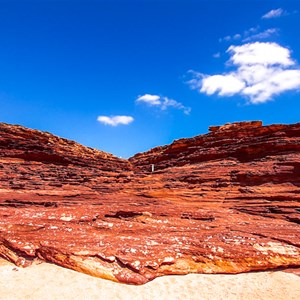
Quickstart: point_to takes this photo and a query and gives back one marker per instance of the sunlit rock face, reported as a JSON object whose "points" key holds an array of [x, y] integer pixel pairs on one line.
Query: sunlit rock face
{"points": [[223, 202]]}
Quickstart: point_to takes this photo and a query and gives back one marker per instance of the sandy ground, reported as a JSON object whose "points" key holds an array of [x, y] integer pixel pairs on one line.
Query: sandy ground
{"points": [[47, 281]]}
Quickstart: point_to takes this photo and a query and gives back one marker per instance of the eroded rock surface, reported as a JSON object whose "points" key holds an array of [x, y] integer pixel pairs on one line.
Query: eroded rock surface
{"points": [[223, 202]]}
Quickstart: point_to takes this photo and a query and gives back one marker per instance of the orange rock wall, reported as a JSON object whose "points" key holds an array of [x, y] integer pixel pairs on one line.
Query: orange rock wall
{"points": [[223, 202]]}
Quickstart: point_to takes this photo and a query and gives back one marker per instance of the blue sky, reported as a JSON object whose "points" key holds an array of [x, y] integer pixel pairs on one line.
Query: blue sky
{"points": [[125, 76]]}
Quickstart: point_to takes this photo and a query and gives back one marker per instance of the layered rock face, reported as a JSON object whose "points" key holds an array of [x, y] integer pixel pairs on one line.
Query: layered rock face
{"points": [[223, 202], [34, 160]]}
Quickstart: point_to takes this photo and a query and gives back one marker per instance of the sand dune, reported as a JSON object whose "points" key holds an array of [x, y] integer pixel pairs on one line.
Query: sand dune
{"points": [[47, 281]]}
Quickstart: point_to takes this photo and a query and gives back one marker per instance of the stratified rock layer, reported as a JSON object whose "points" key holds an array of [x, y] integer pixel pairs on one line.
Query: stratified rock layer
{"points": [[223, 202]]}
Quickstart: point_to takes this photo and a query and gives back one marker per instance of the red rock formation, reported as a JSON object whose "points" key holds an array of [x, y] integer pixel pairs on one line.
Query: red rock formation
{"points": [[224, 202]]}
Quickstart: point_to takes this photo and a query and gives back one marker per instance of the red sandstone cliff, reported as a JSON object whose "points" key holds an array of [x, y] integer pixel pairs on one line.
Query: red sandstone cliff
{"points": [[223, 202], [35, 160]]}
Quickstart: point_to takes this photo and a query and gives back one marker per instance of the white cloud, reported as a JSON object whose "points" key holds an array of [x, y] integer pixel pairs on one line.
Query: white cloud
{"points": [[115, 120], [280, 81], [217, 55], [162, 102], [263, 70], [150, 99], [255, 73], [224, 85], [274, 13], [260, 53]]}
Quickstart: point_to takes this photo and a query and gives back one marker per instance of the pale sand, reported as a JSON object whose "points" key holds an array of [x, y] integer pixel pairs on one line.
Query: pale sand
{"points": [[47, 281]]}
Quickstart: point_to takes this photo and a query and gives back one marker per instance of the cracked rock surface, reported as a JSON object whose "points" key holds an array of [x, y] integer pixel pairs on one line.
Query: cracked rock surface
{"points": [[224, 202]]}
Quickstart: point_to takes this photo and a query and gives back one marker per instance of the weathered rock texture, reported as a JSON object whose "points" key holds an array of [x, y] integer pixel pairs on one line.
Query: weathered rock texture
{"points": [[223, 202]]}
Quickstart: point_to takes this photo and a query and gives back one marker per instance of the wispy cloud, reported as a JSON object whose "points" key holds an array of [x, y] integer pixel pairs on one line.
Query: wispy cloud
{"points": [[268, 33], [263, 70], [252, 34], [217, 55], [162, 102], [274, 13], [229, 38], [115, 120]]}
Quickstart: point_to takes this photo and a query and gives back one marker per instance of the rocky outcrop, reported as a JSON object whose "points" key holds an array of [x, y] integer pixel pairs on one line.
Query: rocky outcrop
{"points": [[223, 202], [35, 160], [243, 142], [34, 145]]}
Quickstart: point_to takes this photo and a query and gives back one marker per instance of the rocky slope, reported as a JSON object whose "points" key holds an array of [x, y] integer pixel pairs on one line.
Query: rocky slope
{"points": [[223, 202]]}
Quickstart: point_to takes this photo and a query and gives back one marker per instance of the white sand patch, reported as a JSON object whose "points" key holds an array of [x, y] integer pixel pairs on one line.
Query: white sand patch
{"points": [[67, 218], [47, 281], [277, 248]]}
